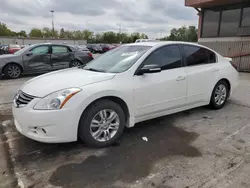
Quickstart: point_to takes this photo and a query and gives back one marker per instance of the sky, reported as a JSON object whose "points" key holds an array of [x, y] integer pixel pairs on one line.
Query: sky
{"points": [[154, 17]]}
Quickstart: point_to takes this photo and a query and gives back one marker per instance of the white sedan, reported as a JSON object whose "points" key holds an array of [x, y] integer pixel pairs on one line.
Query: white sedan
{"points": [[130, 84]]}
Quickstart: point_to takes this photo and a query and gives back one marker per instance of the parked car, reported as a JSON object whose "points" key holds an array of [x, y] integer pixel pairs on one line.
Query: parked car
{"points": [[41, 58], [94, 48], [105, 47], [130, 84], [146, 40], [12, 48], [2, 49]]}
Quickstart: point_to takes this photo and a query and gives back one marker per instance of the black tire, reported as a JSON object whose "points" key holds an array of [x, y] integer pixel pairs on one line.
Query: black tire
{"points": [[84, 130], [75, 63], [12, 71], [213, 103]]}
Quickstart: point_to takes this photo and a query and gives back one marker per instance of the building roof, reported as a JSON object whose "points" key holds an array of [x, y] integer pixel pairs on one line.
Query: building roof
{"points": [[210, 3]]}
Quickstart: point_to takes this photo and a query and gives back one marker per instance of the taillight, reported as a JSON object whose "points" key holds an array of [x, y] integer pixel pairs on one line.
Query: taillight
{"points": [[11, 51], [90, 55]]}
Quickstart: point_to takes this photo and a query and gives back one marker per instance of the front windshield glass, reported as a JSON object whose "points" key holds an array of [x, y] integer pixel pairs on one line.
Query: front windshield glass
{"points": [[117, 60], [19, 52]]}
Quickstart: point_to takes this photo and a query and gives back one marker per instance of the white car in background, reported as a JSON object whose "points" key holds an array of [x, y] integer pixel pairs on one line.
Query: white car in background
{"points": [[130, 84]]}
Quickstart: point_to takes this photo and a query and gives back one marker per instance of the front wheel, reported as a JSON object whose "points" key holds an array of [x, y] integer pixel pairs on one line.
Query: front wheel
{"points": [[12, 71], [220, 95], [102, 124]]}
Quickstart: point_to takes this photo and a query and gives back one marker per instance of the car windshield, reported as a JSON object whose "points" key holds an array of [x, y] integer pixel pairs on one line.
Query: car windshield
{"points": [[117, 60], [19, 52]]}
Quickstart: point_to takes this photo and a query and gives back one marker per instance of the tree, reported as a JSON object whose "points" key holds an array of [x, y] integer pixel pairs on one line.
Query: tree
{"points": [[188, 34], [4, 30], [87, 35], [36, 33], [22, 33], [62, 33]]}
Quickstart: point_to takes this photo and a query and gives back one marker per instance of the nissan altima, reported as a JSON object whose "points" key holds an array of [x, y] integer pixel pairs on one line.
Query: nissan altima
{"points": [[127, 85]]}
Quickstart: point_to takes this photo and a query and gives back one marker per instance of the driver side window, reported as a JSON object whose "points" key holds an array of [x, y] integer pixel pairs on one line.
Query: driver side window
{"points": [[167, 57], [40, 50]]}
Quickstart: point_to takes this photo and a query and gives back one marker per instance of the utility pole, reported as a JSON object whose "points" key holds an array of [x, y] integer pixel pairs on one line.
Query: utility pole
{"points": [[53, 28], [161, 32]]}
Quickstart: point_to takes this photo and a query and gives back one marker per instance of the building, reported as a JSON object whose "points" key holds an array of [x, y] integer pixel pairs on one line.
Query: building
{"points": [[224, 25]]}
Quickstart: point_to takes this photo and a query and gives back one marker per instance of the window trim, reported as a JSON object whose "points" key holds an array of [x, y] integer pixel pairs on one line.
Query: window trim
{"points": [[184, 56], [240, 6], [142, 64]]}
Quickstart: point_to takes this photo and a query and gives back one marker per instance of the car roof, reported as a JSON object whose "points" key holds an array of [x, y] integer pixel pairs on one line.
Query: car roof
{"points": [[161, 43]]}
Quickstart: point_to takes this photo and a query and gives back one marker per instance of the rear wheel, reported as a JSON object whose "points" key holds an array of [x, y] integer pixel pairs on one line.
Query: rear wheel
{"points": [[220, 95], [12, 71], [75, 63], [102, 124]]}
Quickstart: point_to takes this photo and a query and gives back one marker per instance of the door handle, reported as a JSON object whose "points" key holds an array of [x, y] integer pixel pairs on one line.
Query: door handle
{"points": [[180, 78], [215, 70]]}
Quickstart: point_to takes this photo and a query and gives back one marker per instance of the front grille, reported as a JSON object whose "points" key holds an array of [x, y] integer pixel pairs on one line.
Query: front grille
{"points": [[22, 99]]}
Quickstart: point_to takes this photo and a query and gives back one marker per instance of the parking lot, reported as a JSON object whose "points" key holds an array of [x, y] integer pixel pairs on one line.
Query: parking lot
{"points": [[193, 149]]}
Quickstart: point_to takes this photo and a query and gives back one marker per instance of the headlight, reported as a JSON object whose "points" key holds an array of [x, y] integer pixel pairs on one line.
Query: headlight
{"points": [[57, 100]]}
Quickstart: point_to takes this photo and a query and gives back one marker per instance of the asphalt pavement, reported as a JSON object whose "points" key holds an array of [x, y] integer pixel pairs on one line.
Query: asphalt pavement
{"points": [[198, 148]]}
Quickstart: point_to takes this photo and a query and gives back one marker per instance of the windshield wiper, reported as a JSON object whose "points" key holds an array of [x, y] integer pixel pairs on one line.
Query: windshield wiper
{"points": [[92, 69]]}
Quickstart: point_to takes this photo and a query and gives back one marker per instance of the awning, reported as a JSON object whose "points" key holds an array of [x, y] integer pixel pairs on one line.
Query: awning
{"points": [[210, 3]]}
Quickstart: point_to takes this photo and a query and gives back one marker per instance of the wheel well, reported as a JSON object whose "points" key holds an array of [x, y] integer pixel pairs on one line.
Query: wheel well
{"points": [[228, 83], [11, 63], [117, 100]]}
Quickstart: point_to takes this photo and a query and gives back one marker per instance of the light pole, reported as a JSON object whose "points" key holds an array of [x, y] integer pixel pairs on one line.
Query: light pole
{"points": [[53, 29]]}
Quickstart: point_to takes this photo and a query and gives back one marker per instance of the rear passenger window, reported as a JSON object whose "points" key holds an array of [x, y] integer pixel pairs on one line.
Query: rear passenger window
{"points": [[197, 55], [59, 49], [167, 57]]}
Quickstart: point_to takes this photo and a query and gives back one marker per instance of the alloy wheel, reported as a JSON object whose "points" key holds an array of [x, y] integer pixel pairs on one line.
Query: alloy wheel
{"points": [[14, 71], [104, 125], [220, 94]]}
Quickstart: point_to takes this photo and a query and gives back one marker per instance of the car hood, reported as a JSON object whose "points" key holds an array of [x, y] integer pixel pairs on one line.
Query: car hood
{"points": [[75, 77]]}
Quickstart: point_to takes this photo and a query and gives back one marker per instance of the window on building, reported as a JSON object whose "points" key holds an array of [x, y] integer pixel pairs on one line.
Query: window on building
{"points": [[230, 20], [246, 17], [167, 57], [196, 55], [211, 23]]}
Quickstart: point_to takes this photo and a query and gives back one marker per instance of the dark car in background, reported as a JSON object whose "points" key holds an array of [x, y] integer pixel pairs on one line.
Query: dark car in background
{"points": [[40, 58], [95, 48], [106, 47]]}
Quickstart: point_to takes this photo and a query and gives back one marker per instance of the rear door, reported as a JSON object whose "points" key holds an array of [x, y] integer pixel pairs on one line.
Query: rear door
{"points": [[37, 59], [61, 56], [202, 73]]}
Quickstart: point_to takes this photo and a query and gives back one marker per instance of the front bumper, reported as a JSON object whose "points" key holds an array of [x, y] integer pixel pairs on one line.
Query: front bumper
{"points": [[48, 126]]}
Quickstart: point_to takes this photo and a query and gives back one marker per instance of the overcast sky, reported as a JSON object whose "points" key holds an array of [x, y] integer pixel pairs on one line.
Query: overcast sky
{"points": [[152, 17]]}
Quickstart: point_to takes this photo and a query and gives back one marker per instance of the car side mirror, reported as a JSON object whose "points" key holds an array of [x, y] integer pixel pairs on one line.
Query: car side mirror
{"points": [[29, 53], [147, 69]]}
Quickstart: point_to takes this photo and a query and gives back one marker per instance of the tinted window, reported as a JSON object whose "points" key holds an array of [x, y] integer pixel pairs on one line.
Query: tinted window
{"points": [[59, 49], [210, 23], [246, 17], [230, 22], [167, 57], [40, 50], [196, 55]]}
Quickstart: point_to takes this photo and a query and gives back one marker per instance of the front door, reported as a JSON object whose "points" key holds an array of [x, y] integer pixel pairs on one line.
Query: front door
{"points": [[157, 93], [202, 73], [37, 59], [61, 57]]}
